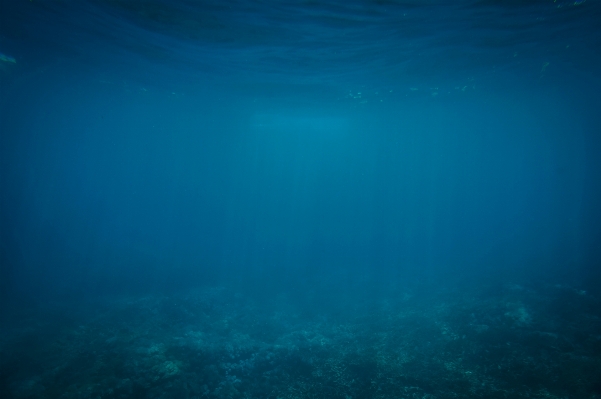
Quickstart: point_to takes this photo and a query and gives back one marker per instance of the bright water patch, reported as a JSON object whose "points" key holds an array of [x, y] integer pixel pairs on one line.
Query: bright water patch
{"points": [[297, 121]]}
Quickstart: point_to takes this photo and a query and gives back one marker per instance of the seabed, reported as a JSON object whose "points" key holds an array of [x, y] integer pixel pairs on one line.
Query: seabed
{"points": [[510, 342]]}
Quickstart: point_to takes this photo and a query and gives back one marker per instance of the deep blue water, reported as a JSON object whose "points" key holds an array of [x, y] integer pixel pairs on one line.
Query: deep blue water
{"points": [[157, 143], [331, 153]]}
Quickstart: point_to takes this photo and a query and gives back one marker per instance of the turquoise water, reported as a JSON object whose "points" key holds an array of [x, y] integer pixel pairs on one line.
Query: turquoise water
{"points": [[300, 199]]}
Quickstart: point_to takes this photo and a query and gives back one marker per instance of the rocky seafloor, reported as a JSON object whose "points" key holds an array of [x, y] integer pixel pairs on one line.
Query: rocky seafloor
{"points": [[510, 342]]}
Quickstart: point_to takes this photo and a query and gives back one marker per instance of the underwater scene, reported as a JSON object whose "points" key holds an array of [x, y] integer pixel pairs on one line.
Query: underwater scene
{"points": [[286, 199]]}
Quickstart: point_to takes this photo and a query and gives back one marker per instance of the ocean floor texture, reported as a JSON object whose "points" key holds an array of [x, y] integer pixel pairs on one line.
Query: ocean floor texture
{"points": [[510, 342]]}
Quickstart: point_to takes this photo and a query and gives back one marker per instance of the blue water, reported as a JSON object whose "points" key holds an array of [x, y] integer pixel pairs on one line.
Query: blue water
{"points": [[325, 159]]}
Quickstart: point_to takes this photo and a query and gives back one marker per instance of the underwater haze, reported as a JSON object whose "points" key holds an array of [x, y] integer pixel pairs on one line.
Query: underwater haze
{"points": [[300, 199]]}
